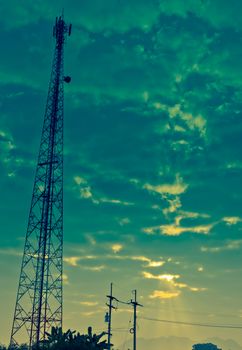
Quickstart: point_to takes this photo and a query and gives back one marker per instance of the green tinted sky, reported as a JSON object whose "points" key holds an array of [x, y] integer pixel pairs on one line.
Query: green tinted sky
{"points": [[153, 159]]}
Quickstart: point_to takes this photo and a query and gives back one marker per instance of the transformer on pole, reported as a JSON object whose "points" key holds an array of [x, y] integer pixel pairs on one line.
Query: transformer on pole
{"points": [[39, 298]]}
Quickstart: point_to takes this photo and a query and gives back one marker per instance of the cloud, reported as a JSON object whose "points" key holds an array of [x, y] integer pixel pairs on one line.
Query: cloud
{"points": [[7, 157], [72, 260], [116, 248], [79, 180], [193, 122], [174, 205], [113, 201], [85, 192], [165, 277], [178, 187], [124, 221], [11, 252], [91, 239], [164, 294], [88, 303], [150, 263], [231, 220], [175, 230], [171, 280], [230, 245], [155, 263], [189, 121], [65, 278], [89, 313], [97, 268]]}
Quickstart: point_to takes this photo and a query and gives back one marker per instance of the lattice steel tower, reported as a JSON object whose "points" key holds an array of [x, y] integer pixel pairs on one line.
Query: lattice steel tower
{"points": [[39, 297]]}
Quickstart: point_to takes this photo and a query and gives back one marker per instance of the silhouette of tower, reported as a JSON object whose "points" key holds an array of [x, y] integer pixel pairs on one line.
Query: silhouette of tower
{"points": [[39, 297]]}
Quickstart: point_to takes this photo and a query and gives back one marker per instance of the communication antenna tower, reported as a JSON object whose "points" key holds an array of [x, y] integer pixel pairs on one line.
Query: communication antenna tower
{"points": [[39, 302]]}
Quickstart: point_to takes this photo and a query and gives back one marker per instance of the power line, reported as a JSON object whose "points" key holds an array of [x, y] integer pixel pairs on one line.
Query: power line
{"points": [[193, 324]]}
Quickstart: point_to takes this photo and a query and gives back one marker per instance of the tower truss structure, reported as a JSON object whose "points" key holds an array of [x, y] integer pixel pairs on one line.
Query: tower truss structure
{"points": [[39, 303]]}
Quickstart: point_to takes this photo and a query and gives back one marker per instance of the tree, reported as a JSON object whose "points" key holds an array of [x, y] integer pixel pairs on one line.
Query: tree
{"points": [[59, 340], [3, 347]]}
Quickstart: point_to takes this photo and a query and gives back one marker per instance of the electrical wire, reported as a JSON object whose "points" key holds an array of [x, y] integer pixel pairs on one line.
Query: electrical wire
{"points": [[193, 324]]}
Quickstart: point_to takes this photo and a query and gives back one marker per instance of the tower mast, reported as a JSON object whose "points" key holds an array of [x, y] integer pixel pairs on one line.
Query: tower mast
{"points": [[39, 297]]}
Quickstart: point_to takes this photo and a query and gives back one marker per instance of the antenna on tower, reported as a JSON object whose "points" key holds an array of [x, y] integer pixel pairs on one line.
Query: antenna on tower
{"points": [[39, 303]]}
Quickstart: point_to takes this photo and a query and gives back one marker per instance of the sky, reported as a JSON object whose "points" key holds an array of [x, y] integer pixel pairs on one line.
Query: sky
{"points": [[153, 159]]}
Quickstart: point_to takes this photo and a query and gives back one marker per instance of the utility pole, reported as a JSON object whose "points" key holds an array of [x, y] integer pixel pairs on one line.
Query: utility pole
{"points": [[109, 318], [133, 330]]}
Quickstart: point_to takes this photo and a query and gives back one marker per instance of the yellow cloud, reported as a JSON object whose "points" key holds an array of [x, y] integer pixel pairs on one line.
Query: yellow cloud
{"points": [[164, 294], [171, 230], [149, 230], [114, 201], [72, 260], [93, 268], [140, 258], [116, 248], [178, 187], [88, 313], [79, 180], [65, 279], [196, 289], [176, 230], [150, 263], [88, 303], [231, 220], [155, 263], [172, 281], [192, 122], [165, 277], [174, 204], [85, 192]]}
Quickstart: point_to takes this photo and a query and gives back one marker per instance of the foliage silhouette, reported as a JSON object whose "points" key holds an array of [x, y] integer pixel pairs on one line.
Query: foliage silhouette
{"points": [[70, 340]]}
